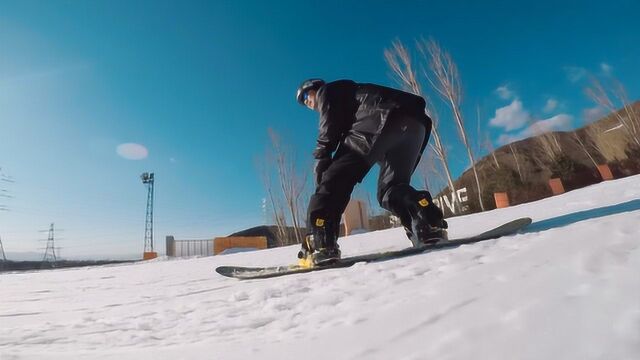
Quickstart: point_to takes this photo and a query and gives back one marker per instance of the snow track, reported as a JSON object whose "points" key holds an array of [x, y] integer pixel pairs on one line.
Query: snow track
{"points": [[567, 289]]}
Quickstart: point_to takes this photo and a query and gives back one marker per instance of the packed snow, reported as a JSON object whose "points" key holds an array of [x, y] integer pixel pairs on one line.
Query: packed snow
{"points": [[568, 288]]}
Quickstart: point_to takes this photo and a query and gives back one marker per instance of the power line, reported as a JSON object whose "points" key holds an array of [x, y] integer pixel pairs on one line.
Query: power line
{"points": [[6, 178], [3, 192]]}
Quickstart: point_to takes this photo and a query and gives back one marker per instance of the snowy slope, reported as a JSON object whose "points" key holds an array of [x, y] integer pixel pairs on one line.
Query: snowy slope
{"points": [[568, 289]]}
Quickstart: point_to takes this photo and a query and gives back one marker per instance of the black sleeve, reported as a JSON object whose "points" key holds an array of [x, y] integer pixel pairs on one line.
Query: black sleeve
{"points": [[335, 117]]}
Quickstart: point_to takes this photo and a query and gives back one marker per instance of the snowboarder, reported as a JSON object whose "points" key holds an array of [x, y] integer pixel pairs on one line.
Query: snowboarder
{"points": [[361, 125]]}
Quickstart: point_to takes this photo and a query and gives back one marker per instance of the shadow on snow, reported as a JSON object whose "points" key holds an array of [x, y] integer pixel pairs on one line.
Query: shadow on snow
{"points": [[572, 218]]}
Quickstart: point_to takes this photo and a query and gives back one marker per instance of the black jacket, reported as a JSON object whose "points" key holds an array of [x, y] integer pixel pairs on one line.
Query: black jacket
{"points": [[355, 114]]}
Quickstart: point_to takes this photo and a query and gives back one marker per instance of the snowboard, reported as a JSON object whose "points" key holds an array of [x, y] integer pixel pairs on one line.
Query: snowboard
{"points": [[247, 273]]}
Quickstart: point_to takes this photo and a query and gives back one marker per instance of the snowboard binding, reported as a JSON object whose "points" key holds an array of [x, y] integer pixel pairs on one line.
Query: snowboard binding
{"points": [[320, 247], [427, 225]]}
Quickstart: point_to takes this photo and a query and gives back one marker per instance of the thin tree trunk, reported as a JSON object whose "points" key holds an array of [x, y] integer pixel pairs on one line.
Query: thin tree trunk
{"points": [[515, 157], [447, 84], [584, 148], [399, 60], [599, 95], [291, 185], [276, 211]]}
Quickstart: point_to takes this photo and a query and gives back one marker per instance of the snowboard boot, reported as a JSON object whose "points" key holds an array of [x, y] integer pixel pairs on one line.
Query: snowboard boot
{"points": [[427, 224], [321, 246]]}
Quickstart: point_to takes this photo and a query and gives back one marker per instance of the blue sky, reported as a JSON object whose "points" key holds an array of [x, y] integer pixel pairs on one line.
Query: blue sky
{"points": [[196, 84]]}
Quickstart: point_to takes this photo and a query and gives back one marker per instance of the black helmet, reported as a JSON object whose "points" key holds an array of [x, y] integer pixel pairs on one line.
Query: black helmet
{"points": [[310, 84]]}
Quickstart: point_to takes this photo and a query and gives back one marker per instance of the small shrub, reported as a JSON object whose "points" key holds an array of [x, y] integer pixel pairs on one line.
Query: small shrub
{"points": [[562, 167]]}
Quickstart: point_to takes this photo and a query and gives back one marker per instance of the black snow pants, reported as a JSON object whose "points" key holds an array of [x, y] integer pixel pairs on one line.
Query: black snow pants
{"points": [[397, 151]]}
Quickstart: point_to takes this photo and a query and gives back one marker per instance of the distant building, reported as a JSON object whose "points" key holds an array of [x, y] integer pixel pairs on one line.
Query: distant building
{"points": [[356, 217]]}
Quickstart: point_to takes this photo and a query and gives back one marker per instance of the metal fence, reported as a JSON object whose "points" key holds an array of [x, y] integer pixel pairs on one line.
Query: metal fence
{"points": [[184, 248]]}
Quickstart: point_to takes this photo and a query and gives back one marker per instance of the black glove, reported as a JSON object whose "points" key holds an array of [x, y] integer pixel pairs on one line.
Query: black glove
{"points": [[322, 165]]}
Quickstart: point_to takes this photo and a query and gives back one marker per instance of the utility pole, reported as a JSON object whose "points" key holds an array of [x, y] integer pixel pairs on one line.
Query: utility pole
{"points": [[148, 181]]}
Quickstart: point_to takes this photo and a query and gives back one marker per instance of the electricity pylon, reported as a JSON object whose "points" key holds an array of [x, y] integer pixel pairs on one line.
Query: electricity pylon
{"points": [[3, 257], [50, 252]]}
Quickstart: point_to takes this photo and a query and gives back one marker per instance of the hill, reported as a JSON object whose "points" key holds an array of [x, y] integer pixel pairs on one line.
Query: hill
{"points": [[522, 169]]}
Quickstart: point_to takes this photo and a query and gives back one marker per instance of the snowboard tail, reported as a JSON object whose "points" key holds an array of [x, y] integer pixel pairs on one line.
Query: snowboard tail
{"points": [[246, 273]]}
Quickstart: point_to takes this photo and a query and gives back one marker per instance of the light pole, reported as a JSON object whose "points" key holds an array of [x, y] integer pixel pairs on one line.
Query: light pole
{"points": [[147, 180]]}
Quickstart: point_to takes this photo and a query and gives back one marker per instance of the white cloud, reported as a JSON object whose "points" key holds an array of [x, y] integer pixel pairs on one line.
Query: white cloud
{"points": [[132, 151], [575, 73], [593, 114], [511, 117], [173, 160], [551, 105], [556, 123], [606, 68], [504, 92]]}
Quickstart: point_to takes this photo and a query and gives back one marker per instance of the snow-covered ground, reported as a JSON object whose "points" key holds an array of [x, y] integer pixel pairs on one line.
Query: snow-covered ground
{"points": [[567, 289]]}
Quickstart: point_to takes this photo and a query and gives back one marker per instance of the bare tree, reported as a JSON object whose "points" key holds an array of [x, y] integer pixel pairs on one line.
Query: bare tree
{"points": [[515, 157], [631, 116], [399, 60], [291, 185], [549, 145], [628, 117], [277, 209], [603, 142], [547, 142], [583, 145], [446, 82], [485, 142]]}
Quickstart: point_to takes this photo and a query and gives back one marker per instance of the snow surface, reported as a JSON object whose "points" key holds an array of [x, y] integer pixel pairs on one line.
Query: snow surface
{"points": [[567, 289]]}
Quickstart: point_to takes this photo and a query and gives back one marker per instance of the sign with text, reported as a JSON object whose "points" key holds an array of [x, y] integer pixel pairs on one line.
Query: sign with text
{"points": [[453, 204]]}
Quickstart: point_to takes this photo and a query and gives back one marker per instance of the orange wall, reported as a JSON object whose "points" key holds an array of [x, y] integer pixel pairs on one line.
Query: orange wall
{"points": [[220, 244], [149, 255]]}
